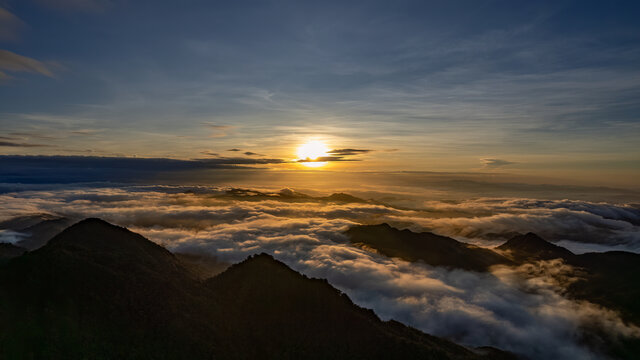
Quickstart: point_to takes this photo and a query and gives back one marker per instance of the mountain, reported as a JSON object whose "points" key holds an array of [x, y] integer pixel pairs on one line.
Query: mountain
{"points": [[433, 249], [102, 292], [302, 318], [609, 279], [532, 247], [35, 230], [10, 251], [24, 221], [343, 198], [38, 234], [99, 291], [289, 195]]}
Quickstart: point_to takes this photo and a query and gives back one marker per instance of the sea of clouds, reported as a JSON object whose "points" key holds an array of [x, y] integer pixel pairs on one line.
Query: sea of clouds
{"points": [[521, 309]]}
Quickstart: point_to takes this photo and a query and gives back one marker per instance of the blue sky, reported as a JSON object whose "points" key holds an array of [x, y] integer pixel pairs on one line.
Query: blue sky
{"points": [[540, 88]]}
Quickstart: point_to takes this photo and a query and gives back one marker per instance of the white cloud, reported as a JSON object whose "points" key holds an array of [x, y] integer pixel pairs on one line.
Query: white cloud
{"points": [[519, 309]]}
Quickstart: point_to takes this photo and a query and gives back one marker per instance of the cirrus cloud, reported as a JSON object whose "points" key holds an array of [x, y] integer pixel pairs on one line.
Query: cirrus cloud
{"points": [[12, 62]]}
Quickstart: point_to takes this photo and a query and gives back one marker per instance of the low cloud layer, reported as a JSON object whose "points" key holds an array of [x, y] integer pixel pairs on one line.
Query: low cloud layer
{"points": [[490, 221], [520, 309]]}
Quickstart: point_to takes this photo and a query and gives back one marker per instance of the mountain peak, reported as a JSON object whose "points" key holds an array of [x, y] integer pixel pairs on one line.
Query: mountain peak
{"points": [[97, 234], [533, 246], [262, 268], [97, 241]]}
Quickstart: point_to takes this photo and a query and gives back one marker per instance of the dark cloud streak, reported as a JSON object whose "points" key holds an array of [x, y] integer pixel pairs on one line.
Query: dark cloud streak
{"points": [[326, 159], [495, 163], [15, 144], [69, 169], [348, 152]]}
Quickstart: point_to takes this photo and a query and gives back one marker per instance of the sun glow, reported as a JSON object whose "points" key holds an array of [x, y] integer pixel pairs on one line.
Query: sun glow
{"points": [[311, 151]]}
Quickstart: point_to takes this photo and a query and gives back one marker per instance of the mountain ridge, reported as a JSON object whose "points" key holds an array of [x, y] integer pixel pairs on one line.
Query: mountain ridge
{"points": [[97, 290], [532, 247], [435, 250]]}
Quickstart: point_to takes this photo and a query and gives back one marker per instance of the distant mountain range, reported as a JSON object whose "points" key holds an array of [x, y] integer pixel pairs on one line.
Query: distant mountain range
{"points": [[289, 195], [99, 291]]}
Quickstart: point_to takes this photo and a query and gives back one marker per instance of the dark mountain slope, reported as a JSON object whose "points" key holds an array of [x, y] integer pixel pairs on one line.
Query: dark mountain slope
{"points": [[532, 247], [301, 318], [611, 279], [10, 251], [35, 230], [433, 249], [102, 292], [38, 234]]}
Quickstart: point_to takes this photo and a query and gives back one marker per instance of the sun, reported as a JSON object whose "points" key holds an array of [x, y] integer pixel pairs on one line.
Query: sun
{"points": [[312, 151]]}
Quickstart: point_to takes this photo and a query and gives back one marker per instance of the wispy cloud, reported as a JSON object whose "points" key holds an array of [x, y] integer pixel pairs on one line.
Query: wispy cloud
{"points": [[78, 5], [13, 62], [348, 152], [218, 130], [19, 144], [326, 159], [10, 26], [210, 153], [85, 132]]}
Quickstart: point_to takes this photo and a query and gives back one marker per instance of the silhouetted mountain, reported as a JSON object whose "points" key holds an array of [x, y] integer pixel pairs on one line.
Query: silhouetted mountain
{"points": [[35, 230], [24, 221], [433, 249], [302, 318], [38, 234], [609, 279], [102, 292], [99, 291], [289, 195], [10, 251], [532, 247], [342, 197]]}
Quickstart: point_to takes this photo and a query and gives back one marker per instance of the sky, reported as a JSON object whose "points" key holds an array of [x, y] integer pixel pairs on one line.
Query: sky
{"points": [[475, 120], [546, 91]]}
